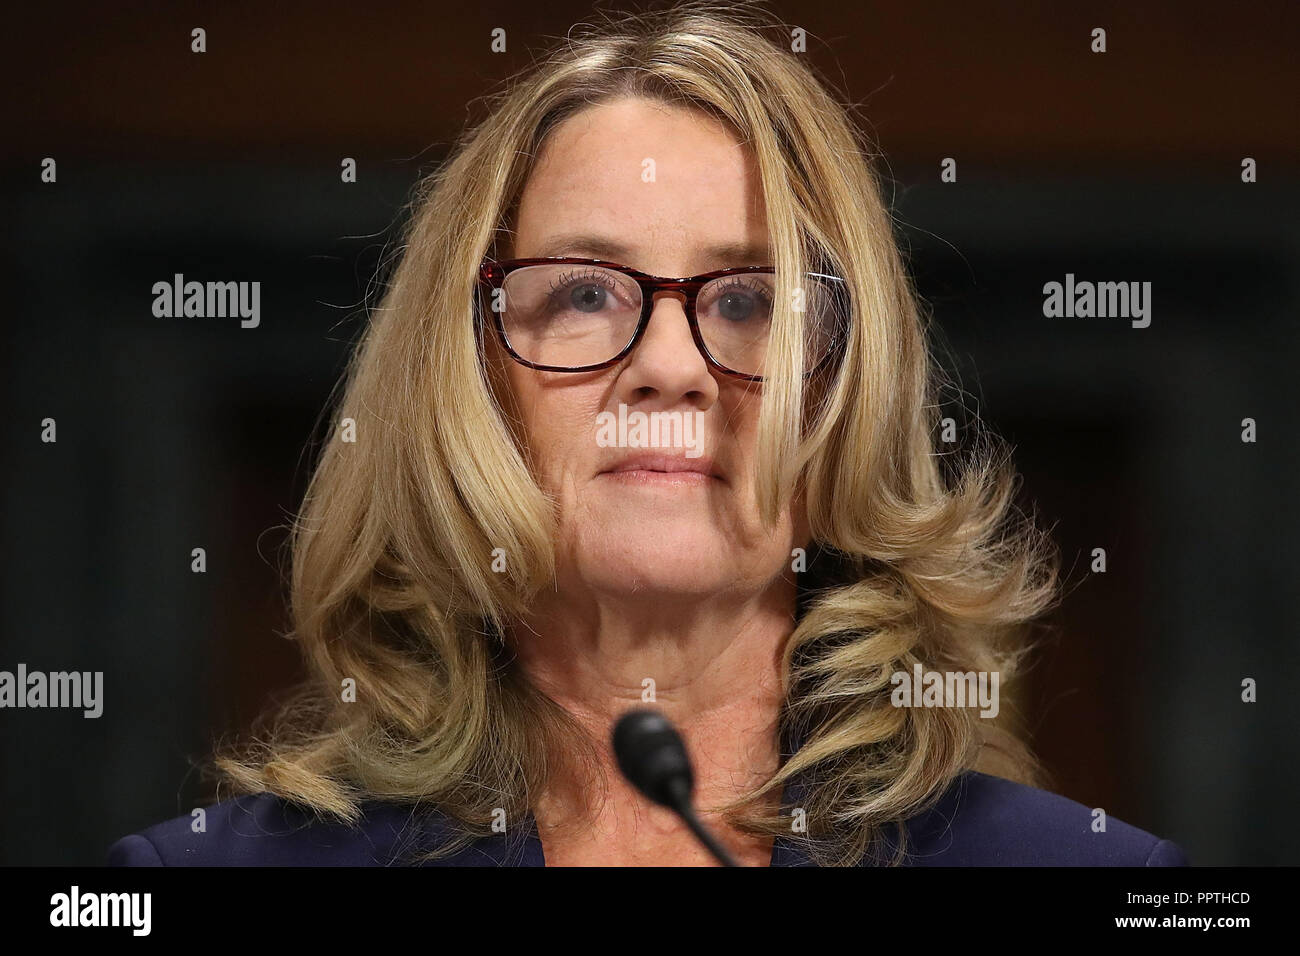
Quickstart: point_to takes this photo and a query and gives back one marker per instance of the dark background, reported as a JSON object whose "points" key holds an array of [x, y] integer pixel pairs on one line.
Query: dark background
{"points": [[183, 433]]}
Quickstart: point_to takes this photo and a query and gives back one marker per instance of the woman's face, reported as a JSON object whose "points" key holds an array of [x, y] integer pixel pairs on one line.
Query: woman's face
{"points": [[671, 192]]}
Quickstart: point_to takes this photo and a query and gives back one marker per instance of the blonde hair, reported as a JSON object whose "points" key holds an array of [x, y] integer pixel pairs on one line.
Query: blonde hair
{"points": [[919, 557]]}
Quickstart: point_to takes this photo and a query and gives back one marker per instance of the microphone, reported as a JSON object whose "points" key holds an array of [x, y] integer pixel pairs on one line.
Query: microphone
{"points": [[653, 759]]}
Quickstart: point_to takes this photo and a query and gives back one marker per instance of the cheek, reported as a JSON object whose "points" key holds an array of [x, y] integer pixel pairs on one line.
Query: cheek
{"points": [[739, 420], [559, 427]]}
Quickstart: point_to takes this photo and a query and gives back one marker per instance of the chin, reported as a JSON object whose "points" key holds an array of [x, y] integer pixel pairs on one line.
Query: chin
{"points": [[657, 561], [654, 521]]}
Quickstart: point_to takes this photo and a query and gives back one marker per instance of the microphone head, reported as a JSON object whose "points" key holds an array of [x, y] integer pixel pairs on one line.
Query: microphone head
{"points": [[653, 758]]}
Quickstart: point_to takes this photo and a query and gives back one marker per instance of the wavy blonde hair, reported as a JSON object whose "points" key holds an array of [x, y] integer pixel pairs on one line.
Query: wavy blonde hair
{"points": [[919, 556]]}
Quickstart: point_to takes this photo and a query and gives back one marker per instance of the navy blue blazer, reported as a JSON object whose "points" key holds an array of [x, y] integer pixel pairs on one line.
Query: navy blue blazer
{"points": [[981, 820]]}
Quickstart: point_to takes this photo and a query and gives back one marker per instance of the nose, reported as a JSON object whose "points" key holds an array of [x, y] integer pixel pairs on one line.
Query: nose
{"points": [[666, 366]]}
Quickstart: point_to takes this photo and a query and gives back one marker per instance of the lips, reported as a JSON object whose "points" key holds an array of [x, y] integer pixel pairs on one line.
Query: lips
{"points": [[649, 465]]}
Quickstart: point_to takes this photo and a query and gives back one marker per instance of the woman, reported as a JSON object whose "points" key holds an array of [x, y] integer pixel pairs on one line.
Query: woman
{"points": [[506, 558]]}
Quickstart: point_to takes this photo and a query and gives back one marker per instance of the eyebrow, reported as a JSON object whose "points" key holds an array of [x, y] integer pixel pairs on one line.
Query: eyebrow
{"points": [[724, 255]]}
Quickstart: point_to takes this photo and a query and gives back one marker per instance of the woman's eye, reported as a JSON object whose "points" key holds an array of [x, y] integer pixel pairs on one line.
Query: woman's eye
{"points": [[583, 293], [737, 306], [588, 297], [741, 304]]}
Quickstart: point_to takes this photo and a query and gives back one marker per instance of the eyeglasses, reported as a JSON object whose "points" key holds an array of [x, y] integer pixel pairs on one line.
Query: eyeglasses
{"points": [[563, 314]]}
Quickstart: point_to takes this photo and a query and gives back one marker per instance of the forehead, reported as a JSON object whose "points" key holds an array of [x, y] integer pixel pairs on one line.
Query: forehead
{"points": [[667, 186]]}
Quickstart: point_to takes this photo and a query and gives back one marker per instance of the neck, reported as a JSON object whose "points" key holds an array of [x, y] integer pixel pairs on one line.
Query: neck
{"points": [[712, 667]]}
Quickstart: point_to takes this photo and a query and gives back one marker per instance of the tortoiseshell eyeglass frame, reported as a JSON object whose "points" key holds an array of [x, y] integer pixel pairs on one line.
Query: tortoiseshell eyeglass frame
{"points": [[492, 275]]}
